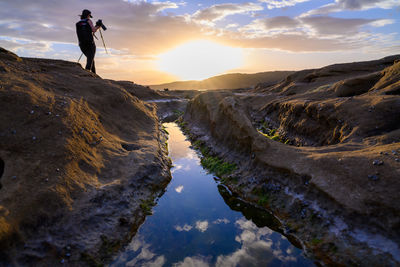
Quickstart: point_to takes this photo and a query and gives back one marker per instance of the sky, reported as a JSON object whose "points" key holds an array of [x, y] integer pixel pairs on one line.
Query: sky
{"points": [[152, 42]]}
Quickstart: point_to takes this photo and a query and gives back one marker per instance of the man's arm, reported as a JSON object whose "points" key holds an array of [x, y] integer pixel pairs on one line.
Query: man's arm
{"points": [[94, 28]]}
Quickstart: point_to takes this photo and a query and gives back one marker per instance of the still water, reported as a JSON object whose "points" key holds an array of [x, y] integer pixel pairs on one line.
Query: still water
{"points": [[198, 223]]}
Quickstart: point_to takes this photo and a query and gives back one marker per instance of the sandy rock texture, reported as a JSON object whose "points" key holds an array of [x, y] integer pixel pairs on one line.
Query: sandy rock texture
{"points": [[80, 158], [338, 155]]}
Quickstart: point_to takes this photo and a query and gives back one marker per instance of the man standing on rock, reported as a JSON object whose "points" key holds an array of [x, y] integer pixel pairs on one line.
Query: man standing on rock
{"points": [[85, 31]]}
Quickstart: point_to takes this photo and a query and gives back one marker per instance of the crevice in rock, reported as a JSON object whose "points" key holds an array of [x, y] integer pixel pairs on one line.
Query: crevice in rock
{"points": [[1, 170], [130, 147]]}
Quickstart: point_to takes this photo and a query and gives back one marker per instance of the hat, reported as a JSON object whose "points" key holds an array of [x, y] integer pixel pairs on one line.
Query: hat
{"points": [[85, 13]]}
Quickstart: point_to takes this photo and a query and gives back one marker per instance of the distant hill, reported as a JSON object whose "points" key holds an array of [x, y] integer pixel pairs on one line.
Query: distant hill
{"points": [[227, 81]]}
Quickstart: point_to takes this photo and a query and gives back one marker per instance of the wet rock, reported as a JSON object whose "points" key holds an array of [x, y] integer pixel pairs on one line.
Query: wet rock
{"points": [[270, 187], [303, 213], [373, 177], [377, 162]]}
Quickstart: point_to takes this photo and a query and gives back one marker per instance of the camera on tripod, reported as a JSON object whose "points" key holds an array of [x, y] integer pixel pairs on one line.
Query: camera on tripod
{"points": [[100, 23]]}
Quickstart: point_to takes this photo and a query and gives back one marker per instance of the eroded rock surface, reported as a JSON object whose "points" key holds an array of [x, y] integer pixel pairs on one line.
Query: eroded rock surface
{"points": [[339, 169], [81, 155]]}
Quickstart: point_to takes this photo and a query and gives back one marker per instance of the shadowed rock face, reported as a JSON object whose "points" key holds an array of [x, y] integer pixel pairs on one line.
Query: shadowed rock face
{"points": [[342, 129], [81, 153]]}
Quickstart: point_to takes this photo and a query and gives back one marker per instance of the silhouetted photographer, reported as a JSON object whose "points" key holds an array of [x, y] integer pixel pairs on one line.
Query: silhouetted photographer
{"points": [[85, 31]]}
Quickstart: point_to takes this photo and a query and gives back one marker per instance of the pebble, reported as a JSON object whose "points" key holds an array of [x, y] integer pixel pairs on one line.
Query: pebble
{"points": [[58, 169], [394, 152], [47, 179], [59, 132], [34, 138], [68, 255], [57, 115], [48, 113], [377, 162], [253, 156], [14, 177], [36, 106], [62, 261], [373, 177], [397, 159], [68, 248], [32, 111], [303, 213], [13, 131]]}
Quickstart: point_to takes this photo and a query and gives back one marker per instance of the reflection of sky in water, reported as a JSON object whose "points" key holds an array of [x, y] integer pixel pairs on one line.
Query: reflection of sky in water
{"points": [[192, 226]]}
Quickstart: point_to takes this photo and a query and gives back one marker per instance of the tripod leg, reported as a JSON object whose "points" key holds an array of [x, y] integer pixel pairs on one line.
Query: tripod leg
{"points": [[101, 35], [80, 57]]}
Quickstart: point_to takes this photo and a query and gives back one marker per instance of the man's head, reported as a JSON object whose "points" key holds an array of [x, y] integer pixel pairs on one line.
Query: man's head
{"points": [[86, 14]]}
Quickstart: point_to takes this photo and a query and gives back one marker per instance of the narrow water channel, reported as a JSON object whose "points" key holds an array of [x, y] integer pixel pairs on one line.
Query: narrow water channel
{"points": [[197, 223]]}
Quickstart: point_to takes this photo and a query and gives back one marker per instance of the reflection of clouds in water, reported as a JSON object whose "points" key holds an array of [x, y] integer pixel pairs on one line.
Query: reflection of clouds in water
{"points": [[202, 226], [257, 249], [192, 262], [176, 168], [144, 258], [219, 221], [179, 189], [185, 228]]}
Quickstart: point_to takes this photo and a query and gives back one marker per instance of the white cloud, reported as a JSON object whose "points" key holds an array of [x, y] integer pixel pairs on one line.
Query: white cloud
{"points": [[192, 262], [271, 4], [257, 249], [179, 189], [382, 22], [219, 221], [341, 5], [202, 226], [219, 12], [185, 228]]}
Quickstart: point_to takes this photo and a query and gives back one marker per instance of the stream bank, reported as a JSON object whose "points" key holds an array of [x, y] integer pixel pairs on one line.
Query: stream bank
{"points": [[324, 162], [197, 221]]}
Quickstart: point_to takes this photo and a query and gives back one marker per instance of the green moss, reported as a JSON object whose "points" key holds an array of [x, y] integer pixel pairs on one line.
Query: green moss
{"points": [[178, 113], [217, 165], [146, 206], [263, 200], [90, 260], [315, 241]]}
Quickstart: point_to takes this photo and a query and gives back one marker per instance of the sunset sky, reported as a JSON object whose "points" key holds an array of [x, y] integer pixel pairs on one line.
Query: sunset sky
{"points": [[153, 42]]}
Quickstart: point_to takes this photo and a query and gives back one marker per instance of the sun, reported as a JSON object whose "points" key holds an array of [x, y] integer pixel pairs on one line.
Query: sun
{"points": [[200, 59]]}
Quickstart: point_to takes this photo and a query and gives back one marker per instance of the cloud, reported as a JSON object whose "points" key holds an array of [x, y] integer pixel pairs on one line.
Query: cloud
{"points": [[179, 189], [341, 5], [271, 4], [259, 248], [185, 228], [330, 25], [219, 12], [202, 226], [196, 261], [219, 221]]}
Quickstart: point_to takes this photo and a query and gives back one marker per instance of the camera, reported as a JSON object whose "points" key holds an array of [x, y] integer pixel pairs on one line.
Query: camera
{"points": [[100, 23]]}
